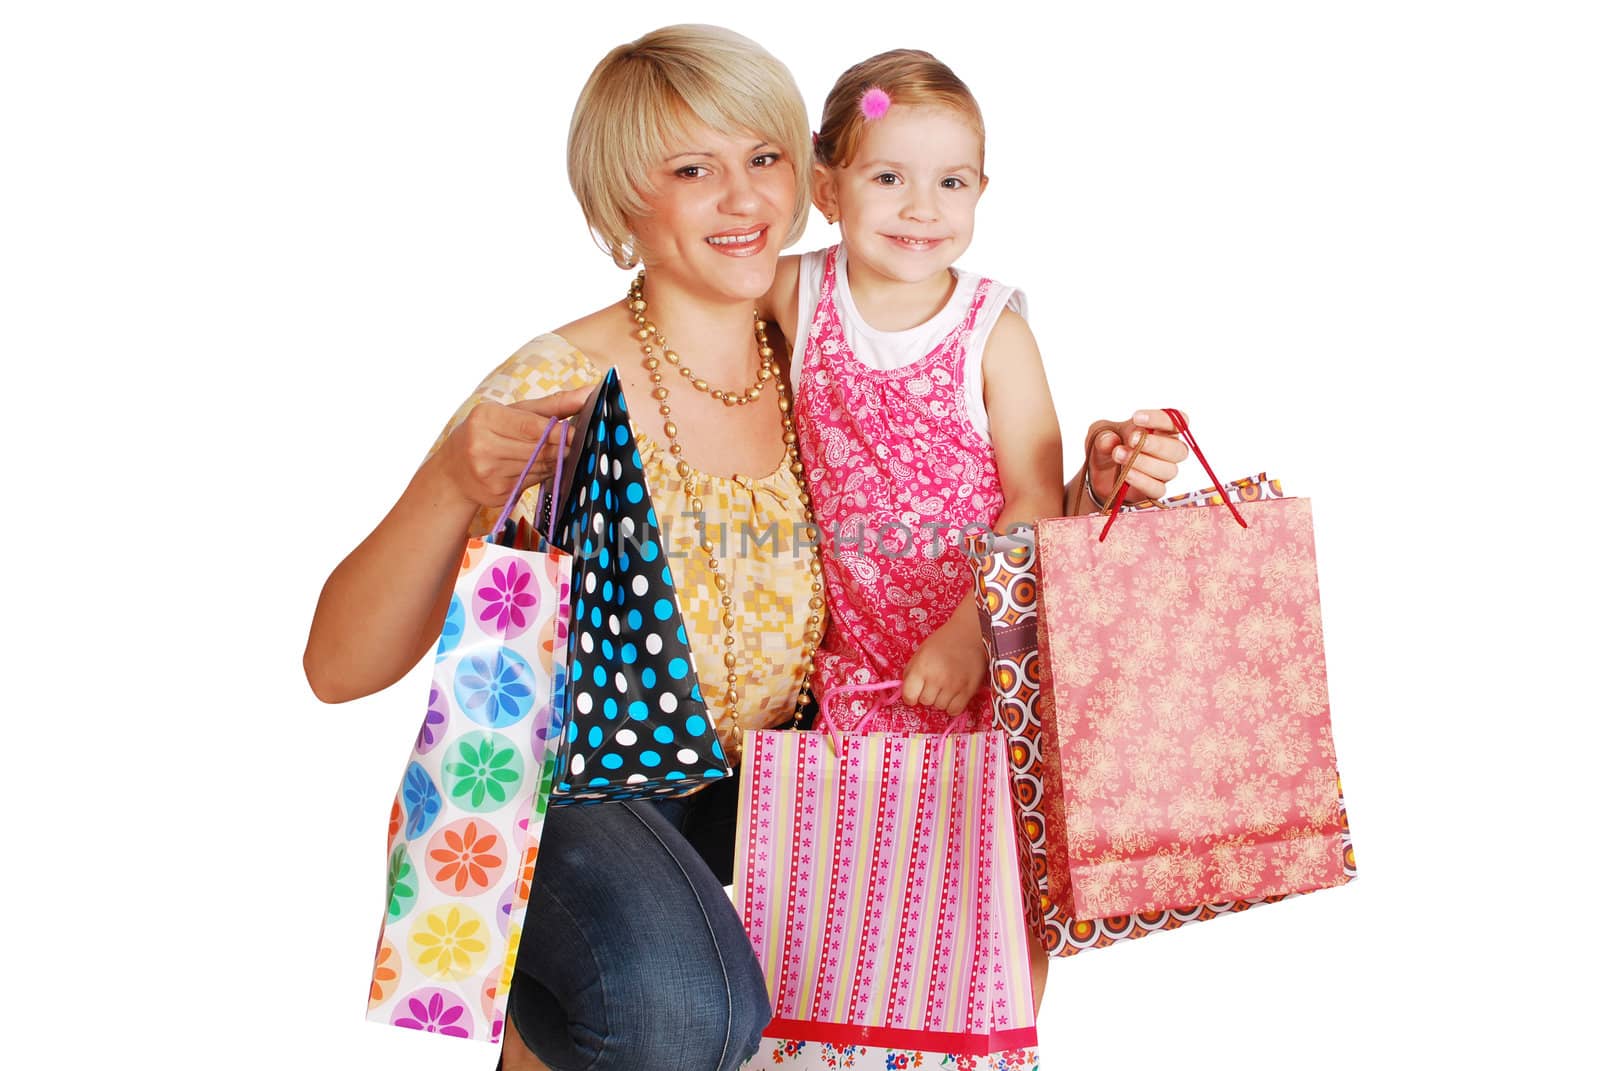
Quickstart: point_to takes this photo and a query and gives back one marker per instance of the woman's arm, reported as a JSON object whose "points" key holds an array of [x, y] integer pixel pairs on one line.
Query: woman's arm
{"points": [[385, 603]]}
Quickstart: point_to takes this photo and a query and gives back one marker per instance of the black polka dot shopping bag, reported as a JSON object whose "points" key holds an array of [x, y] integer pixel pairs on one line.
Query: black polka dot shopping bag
{"points": [[637, 723]]}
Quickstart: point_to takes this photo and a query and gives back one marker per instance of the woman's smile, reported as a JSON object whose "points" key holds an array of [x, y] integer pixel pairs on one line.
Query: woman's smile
{"points": [[741, 243]]}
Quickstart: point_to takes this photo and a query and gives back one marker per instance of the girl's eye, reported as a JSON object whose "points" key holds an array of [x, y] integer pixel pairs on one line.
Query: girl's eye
{"points": [[888, 178], [766, 159], [950, 182]]}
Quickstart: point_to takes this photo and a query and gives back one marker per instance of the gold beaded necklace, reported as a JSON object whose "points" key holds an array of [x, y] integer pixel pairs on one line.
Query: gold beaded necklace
{"points": [[647, 333]]}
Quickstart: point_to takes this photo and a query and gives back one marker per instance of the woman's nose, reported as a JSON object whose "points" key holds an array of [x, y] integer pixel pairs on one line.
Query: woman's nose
{"points": [[739, 193]]}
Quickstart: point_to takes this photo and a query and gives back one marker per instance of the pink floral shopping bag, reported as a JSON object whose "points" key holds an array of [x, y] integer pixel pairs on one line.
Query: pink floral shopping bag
{"points": [[1005, 568], [1190, 706]]}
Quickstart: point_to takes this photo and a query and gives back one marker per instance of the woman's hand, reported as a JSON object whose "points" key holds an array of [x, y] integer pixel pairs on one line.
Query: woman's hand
{"points": [[1108, 445], [383, 606], [485, 454], [950, 666]]}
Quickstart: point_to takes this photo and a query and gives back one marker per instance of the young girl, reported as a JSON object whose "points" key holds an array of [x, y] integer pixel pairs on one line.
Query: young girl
{"points": [[922, 404], [923, 412]]}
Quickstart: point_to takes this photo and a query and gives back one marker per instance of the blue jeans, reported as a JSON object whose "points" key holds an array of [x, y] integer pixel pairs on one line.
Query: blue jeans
{"points": [[632, 956]]}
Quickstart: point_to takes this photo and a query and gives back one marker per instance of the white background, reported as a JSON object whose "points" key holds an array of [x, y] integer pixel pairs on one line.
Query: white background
{"points": [[254, 255]]}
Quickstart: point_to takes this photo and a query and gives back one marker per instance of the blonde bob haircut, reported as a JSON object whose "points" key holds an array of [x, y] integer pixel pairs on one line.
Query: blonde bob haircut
{"points": [[637, 107], [912, 79]]}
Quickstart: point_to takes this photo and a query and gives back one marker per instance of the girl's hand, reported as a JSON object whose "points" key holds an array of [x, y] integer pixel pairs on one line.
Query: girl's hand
{"points": [[948, 669], [484, 455], [1108, 446]]}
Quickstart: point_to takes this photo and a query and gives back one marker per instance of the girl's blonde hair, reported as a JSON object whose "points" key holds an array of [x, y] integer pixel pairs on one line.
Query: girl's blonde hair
{"points": [[911, 78], [642, 98]]}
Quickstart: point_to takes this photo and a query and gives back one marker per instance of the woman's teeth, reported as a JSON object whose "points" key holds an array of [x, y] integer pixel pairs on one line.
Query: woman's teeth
{"points": [[735, 239]]}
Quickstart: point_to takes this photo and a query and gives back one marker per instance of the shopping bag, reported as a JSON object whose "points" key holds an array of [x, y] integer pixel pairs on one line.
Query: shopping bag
{"points": [[876, 877], [637, 721], [464, 827], [1190, 705], [1006, 573]]}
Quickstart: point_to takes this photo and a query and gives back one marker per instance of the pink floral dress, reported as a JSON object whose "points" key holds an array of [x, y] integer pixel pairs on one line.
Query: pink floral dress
{"points": [[898, 474]]}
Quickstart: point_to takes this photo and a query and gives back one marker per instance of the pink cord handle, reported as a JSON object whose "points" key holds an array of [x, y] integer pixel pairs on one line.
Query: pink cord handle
{"points": [[826, 722], [516, 490], [828, 697]]}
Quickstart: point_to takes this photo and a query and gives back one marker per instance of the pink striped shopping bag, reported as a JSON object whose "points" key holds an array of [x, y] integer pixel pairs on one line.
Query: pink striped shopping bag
{"points": [[878, 881]]}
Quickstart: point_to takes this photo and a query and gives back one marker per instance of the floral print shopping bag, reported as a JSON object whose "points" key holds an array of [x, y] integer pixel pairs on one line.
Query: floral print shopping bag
{"points": [[464, 827], [1190, 699], [1005, 568]]}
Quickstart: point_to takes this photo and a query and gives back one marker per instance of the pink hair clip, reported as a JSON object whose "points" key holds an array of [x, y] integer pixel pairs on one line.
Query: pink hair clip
{"points": [[874, 103]]}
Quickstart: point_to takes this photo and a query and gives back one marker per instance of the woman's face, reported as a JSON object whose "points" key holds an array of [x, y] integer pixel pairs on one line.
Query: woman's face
{"points": [[720, 210]]}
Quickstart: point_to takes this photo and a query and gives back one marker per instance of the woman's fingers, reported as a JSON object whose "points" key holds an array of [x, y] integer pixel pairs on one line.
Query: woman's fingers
{"points": [[521, 420], [563, 403], [512, 454], [495, 441], [526, 421]]}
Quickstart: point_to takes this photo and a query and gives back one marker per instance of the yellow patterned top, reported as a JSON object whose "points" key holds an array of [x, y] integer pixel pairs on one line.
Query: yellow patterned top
{"points": [[760, 518]]}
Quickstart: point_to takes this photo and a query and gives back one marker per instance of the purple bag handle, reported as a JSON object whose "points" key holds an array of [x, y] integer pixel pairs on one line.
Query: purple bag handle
{"points": [[834, 734], [516, 490]]}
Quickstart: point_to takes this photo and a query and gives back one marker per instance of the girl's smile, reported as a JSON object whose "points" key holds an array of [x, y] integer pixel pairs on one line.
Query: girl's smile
{"points": [[915, 244]]}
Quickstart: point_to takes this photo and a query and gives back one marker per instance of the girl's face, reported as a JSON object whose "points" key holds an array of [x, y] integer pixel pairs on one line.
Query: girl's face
{"points": [[906, 203], [719, 213]]}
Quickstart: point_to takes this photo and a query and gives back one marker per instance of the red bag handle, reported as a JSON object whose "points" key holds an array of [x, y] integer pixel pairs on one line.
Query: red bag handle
{"points": [[1121, 490]]}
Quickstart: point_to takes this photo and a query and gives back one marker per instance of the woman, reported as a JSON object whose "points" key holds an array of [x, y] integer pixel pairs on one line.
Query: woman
{"points": [[714, 132], [689, 152]]}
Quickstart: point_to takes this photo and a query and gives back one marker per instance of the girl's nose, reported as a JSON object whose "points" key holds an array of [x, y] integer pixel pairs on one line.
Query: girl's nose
{"points": [[919, 206]]}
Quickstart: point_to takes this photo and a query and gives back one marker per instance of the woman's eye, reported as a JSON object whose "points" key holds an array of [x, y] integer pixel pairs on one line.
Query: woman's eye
{"points": [[766, 159], [693, 171]]}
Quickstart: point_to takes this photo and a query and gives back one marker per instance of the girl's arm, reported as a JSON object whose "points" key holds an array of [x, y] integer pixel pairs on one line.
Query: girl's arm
{"points": [[1022, 424], [384, 605], [781, 305], [950, 667]]}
